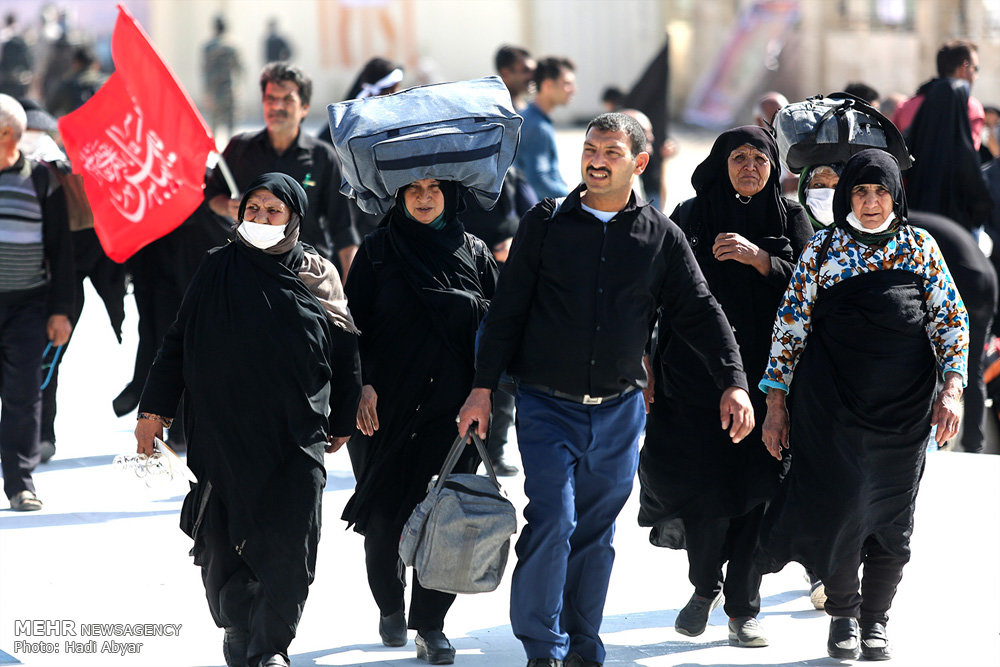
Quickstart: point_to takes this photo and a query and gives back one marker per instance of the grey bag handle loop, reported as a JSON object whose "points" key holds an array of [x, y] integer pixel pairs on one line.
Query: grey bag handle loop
{"points": [[455, 452]]}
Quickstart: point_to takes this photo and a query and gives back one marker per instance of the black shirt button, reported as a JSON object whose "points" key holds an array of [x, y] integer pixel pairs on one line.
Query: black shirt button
{"points": [[600, 290], [413, 436], [598, 327], [604, 259], [593, 362]]}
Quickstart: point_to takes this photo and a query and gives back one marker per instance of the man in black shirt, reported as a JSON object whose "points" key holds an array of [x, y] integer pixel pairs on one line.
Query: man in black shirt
{"points": [[570, 320], [282, 147]]}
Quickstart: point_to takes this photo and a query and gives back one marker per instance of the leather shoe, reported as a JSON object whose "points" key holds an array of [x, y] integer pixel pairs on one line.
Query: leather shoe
{"points": [[844, 641], [234, 647], [434, 647], [504, 469], [874, 642], [392, 628], [25, 501], [576, 660], [545, 662]]}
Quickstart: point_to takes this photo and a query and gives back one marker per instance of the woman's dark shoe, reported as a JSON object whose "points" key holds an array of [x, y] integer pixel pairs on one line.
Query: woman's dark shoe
{"points": [[234, 647], [276, 660], [392, 629], [874, 642], [434, 647], [845, 638]]}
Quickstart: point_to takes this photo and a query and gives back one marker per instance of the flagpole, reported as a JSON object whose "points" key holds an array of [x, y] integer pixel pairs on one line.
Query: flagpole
{"points": [[228, 176]]}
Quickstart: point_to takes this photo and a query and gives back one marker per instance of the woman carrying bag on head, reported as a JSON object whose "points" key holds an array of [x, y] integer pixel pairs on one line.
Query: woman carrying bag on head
{"points": [[420, 286]]}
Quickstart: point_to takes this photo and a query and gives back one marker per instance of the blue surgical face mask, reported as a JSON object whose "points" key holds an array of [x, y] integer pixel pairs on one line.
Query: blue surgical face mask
{"points": [[820, 203]]}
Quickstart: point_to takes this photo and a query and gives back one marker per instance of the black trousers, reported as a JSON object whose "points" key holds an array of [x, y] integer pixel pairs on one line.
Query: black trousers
{"points": [[235, 597], [974, 419], [871, 603], [713, 542], [500, 422], [22, 340], [386, 578]]}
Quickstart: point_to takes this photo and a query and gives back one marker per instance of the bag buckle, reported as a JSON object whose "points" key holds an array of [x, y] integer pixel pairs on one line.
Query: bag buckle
{"points": [[592, 400]]}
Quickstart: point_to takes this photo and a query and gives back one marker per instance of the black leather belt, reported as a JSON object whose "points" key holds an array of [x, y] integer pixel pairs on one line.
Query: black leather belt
{"points": [[586, 399]]}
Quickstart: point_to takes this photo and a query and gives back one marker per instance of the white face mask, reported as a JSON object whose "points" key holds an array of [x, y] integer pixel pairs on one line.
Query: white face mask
{"points": [[853, 221], [261, 236], [820, 203]]}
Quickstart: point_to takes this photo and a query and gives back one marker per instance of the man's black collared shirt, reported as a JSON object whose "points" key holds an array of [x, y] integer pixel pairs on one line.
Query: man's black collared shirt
{"points": [[577, 299], [311, 162]]}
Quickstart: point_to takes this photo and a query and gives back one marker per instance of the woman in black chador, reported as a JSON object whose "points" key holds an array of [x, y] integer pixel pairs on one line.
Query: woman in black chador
{"points": [[873, 330], [699, 491], [265, 353], [419, 287]]}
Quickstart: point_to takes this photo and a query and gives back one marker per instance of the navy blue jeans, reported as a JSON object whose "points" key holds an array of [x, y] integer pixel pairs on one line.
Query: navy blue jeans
{"points": [[579, 465], [22, 341]]}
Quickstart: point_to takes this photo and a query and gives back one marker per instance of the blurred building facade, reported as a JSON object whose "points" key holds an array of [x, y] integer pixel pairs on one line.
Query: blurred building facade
{"points": [[889, 44]]}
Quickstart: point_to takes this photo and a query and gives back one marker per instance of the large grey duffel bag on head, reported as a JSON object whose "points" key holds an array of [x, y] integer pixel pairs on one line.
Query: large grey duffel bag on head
{"points": [[465, 131], [458, 538], [825, 130]]}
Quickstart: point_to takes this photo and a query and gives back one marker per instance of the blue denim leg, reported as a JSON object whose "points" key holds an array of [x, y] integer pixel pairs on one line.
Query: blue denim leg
{"points": [[579, 463]]}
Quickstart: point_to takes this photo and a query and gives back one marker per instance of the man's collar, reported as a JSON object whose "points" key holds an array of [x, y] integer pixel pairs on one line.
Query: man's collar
{"points": [[573, 200], [300, 142]]}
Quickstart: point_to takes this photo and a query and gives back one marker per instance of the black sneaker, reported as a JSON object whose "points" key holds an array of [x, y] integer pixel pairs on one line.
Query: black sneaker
{"points": [[47, 449], [576, 660], [874, 642], [693, 618], [844, 641]]}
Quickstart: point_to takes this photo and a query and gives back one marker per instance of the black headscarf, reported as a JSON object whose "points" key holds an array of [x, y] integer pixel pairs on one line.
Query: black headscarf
{"points": [[288, 190], [946, 176], [439, 262], [870, 166], [717, 201]]}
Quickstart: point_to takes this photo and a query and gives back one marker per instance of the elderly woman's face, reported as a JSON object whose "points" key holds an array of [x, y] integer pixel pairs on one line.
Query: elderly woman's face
{"points": [[871, 204], [266, 209], [749, 170], [824, 177], [424, 200]]}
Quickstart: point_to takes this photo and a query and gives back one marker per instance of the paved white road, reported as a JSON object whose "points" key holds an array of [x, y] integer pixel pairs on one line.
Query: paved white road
{"points": [[107, 550]]}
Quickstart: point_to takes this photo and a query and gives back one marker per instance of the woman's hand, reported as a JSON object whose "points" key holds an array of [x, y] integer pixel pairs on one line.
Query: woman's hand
{"points": [[774, 432], [367, 419], [945, 414], [737, 248], [736, 413], [145, 431]]}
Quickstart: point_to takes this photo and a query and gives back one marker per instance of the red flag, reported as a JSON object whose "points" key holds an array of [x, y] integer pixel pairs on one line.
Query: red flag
{"points": [[141, 146]]}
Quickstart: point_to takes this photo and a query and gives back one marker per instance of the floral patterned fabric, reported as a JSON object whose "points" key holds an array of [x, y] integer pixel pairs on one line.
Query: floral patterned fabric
{"points": [[913, 250]]}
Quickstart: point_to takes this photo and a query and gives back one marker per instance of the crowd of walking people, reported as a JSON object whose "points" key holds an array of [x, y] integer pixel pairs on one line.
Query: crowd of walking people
{"points": [[785, 347]]}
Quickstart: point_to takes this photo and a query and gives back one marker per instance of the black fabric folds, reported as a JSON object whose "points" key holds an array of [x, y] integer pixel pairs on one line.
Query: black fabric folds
{"points": [[417, 295], [946, 176], [689, 468]]}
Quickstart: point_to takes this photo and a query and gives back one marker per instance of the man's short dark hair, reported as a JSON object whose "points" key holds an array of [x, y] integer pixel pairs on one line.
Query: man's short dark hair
{"points": [[953, 55], [551, 68], [862, 91], [619, 122], [282, 72], [508, 56]]}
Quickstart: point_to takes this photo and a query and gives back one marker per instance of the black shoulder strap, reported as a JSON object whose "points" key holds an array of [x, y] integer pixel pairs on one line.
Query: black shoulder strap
{"points": [[824, 249], [40, 180]]}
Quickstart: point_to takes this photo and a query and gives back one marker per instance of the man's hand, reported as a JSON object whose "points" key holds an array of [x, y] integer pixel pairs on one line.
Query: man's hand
{"points": [[336, 442], [58, 329], [945, 414], [476, 410], [145, 431], [736, 413], [649, 392], [367, 419], [774, 432]]}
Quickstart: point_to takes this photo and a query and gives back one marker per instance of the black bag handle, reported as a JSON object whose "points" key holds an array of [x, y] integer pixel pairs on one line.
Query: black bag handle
{"points": [[455, 452]]}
